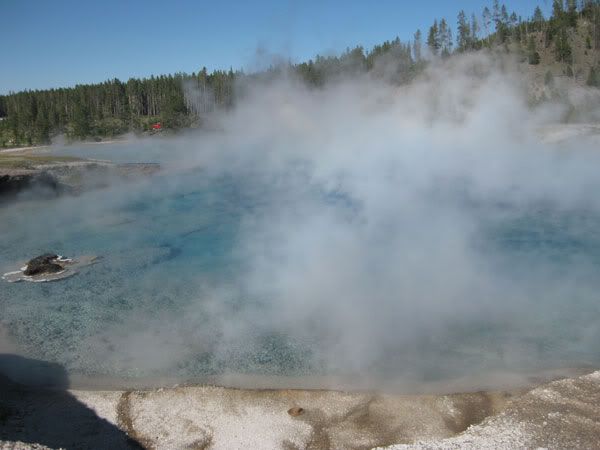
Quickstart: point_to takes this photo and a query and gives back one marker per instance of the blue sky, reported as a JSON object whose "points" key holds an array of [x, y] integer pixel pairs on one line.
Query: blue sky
{"points": [[63, 42]]}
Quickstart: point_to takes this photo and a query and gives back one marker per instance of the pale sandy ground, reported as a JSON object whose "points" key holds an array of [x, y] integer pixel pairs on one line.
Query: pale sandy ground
{"points": [[563, 132], [563, 414], [42, 148], [23, 149]]}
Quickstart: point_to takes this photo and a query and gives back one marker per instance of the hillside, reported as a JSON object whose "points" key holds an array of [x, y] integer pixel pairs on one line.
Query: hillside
{"points": [[578, 72]]}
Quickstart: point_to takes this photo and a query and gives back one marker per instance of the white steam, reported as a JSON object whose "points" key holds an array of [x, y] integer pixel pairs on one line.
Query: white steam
{"points": [[372, 243], [378, 242]]}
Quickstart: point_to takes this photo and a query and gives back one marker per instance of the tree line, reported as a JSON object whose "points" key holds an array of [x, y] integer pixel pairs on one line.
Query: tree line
{"points": [[182, 100], [106, 109], [496, 26]]}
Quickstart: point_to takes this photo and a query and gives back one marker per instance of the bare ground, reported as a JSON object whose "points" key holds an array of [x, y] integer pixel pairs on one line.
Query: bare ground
{"points": [[561, 414]]}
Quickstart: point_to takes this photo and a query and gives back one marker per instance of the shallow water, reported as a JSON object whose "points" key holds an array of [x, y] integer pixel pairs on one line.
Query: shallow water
{"points": [[170, 297]]}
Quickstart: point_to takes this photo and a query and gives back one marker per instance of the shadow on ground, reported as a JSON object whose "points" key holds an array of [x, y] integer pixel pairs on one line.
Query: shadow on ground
{"points": [[35, 407]]}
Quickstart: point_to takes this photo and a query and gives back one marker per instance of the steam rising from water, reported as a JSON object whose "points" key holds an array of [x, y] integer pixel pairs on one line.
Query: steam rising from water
{"points": [[418, 232]]}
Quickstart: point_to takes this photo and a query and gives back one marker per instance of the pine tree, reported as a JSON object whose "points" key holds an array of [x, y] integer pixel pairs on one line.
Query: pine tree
{"points": [[487, 22], [417, 45], [596, 25], [502, 24], [562, 49], [445, 38], [81, 120], [474, 28], [538, 18], [594, 78], [496, 14], [571, 12], [504, 18], [42, 128], [433, 39], [557, 9], [463, 37], [587, 8], [532, 54]]}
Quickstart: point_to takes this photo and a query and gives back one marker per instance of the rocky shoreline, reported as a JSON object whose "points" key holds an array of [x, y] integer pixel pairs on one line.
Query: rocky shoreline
{"points": [[73, 177], [14, 181]]}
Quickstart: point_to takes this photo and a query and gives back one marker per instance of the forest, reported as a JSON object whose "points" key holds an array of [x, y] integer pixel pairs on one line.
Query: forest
{"points": [[115, 107]]}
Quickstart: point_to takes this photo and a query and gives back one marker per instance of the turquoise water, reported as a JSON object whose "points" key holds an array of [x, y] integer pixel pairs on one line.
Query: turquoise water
{"points": [[170, 296]]}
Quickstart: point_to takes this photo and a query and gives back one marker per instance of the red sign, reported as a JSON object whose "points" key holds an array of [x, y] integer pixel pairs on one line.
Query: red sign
{"points": [[156, 126]]}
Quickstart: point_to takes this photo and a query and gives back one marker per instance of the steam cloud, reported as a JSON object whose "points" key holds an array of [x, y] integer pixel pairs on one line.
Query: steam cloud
{"points": [[400, 231]]}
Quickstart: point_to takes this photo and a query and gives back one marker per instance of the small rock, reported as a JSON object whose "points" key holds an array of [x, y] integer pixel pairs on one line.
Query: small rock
{"points": [[295, 411], [45, 263], [49, 267]]}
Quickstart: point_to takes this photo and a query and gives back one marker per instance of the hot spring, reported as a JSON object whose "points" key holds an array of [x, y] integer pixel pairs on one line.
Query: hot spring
{"points": [[206, 274], [401, 235]]}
